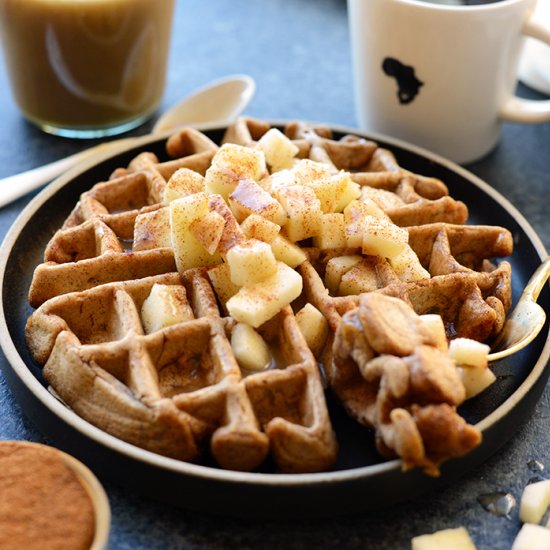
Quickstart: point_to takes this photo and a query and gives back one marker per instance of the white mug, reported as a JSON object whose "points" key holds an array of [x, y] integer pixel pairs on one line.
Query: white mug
{"points": [[442, 76]]}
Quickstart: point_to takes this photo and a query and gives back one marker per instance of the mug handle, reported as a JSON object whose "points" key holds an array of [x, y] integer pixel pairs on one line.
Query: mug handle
{"points": [[517, 109]]}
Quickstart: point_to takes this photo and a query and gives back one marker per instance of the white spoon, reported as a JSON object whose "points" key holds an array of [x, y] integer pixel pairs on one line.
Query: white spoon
{"points": [[221, 101]]}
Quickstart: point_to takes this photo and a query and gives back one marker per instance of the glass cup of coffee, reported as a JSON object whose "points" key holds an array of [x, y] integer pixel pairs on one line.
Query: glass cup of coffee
{"points": [[86, 68]]}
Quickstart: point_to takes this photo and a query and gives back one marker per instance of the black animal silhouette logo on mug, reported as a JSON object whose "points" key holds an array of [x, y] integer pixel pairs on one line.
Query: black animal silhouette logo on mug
{"points": [[408, 86]]}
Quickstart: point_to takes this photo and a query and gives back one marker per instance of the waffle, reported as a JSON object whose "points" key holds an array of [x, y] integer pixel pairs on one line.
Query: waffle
{"points": [[388, 370], [409, 422], [92, 246], [407, 198], [178, 391], [469, 292], [178, 388]]}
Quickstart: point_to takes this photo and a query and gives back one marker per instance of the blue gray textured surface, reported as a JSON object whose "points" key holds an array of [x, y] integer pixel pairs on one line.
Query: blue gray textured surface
{"points": [[298, 53]]}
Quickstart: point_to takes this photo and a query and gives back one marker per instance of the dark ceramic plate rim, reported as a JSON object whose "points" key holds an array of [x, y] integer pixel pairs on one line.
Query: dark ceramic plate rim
{"points": [[27, 378]]}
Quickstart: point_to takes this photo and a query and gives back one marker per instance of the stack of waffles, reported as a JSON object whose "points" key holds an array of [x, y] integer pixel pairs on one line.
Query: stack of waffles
{"points": [[201, 307]]}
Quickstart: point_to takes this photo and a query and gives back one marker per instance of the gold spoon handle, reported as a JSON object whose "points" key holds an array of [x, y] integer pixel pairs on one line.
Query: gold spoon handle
{"points": [[523, 317], [537, 281]]}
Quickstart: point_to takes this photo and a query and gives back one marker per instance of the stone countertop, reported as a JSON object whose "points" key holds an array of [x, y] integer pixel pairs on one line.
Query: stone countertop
{"points": [[298, 53]]}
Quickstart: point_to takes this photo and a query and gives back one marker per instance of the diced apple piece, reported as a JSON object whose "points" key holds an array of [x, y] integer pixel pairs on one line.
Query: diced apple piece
{"points": [[534, 501], [335, 269], [386, 200], [183, 182], [383, 238], [278, 149], [306, 170], [370, 208], [329, 190], [277, 180], [351, 191], [476, 380], [208, 230], [313, 326], [332, 233], [250, 349], [360, 278], [435, 325], [188, 251], [303, 211], [354, 216], [287, 252], [532, 537], [220, 181], [221, 281], [190, 207], [258, 303], [251, 262], [249, 198], [446, 539], [232, 232], [471, 357], [465, 351], [257, 227], [152, 230], [165, 306], [407, 266], [245, 162]]}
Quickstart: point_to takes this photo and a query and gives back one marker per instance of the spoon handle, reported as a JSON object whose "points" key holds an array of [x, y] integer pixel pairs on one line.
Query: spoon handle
{"points": [[527, 318], [538, 280], [13, 187]]}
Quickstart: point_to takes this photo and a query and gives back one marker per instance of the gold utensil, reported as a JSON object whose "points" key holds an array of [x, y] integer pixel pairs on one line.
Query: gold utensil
{"points": [[526, 319]]}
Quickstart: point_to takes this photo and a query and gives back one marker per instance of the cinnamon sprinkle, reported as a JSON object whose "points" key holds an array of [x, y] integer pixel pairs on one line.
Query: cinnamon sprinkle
{"points": [[42, 502]]}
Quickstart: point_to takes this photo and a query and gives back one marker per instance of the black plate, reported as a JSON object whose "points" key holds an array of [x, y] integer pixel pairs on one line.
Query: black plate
{"points": [[498, 412]]}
